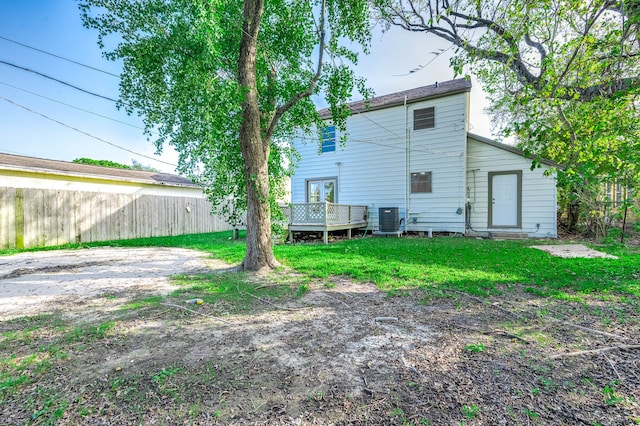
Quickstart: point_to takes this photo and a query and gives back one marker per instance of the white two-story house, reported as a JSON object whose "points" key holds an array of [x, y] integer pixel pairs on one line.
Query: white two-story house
{"points": [[411, 153]]}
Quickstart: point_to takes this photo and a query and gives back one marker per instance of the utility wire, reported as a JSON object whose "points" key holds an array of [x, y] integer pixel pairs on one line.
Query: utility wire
{"points": [[58, 56], [85, 133], [73, 106], [57, 80]]}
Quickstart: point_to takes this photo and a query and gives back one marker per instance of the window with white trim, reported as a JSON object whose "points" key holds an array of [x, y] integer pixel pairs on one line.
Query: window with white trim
{"points": [[321, 190]]}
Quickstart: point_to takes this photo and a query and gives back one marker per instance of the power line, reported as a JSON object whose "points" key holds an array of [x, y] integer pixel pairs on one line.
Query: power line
{"points": [[85, 133], [58, 56], [59, 81], [73, 106]]}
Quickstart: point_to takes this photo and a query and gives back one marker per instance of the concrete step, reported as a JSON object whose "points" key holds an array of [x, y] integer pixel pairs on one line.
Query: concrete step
{"points": [[508, 236]]}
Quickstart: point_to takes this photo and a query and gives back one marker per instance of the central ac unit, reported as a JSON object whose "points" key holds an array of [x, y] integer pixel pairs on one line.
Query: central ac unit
{"points": [[389, 219]]}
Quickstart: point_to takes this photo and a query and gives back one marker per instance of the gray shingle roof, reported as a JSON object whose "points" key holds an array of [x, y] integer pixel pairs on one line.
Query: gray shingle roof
{"points": [[18, 162], [417, 94]]}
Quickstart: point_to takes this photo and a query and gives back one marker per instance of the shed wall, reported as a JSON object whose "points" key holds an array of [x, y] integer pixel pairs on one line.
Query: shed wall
{"points": [[539, 204]]}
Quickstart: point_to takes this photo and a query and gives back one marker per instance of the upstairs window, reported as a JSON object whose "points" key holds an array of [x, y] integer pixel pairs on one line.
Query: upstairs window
{"points": [[420, 182], [424, 118], [329, 139]]}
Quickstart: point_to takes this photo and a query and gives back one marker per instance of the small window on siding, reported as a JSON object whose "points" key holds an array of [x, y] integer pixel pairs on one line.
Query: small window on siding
{"points": [[424, 118], [329, 139], [420, 182]]}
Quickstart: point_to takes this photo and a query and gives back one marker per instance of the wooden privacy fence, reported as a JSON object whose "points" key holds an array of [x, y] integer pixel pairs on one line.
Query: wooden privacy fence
{"points": [[46, 217]]}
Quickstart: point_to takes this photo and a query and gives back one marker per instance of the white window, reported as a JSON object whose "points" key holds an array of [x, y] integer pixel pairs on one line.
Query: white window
{"points": [[320, 190]]}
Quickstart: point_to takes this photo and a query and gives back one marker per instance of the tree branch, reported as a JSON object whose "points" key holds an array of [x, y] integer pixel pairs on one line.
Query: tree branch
{"points": [[596, 351], [282, 109]]}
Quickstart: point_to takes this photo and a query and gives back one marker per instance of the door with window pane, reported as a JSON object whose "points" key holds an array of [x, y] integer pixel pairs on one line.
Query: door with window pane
{"points": [[321, 190]]}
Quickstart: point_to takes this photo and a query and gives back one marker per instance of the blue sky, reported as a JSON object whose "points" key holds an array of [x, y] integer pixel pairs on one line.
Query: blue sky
{"points": [[54, 26]]}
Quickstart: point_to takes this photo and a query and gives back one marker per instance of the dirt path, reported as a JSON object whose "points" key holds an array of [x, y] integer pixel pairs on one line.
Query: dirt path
{"points": [[32, 281]]}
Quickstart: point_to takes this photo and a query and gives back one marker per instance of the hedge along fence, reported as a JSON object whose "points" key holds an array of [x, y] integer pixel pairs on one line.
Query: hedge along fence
{"points": [[48, 217]]}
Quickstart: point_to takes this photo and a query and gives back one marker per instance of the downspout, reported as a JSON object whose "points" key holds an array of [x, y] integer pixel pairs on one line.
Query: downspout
{"points": [[407, 160]]}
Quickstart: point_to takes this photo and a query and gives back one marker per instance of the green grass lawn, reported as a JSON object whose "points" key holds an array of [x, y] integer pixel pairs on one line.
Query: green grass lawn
{"points": [[598, 293], [476, 266]]}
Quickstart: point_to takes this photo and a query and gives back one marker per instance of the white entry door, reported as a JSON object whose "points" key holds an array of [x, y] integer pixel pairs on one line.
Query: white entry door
{"points": [[505, 199]]}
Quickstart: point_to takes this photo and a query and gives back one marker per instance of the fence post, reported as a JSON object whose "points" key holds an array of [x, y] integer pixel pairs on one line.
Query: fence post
{"points": [[19, 218]]}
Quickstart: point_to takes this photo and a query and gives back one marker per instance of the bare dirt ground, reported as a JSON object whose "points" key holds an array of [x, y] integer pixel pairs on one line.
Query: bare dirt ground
{"points": [[32, 281], [343, 353], [573, 250]]}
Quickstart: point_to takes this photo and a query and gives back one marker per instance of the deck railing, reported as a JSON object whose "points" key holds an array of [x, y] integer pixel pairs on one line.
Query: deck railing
{"points": [[326, 214]]}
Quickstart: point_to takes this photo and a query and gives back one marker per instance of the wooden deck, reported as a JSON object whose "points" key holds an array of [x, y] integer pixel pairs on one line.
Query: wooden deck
{"points": [[325, 217]]}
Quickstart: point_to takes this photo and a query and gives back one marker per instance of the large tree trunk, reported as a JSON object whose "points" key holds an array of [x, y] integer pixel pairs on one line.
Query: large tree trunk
{"points": [[255, 148]]}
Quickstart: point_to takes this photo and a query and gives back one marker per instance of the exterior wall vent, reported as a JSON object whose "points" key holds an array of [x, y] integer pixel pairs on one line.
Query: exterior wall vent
{"points": [[389, 219]]}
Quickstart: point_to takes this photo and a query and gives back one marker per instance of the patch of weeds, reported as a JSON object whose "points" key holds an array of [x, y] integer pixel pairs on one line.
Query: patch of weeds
{"points": [[50, 409], [302, 290], [233, 288], [535, 391], [139, 303], [107, 295], [395, 292], [126, 388], [162, 379], [195, 409], [531, 414], [399, 414], [9, 383], [84, 411], [316, 396], [511, 413], [548, 384], [470, 411], [474, 347], [88, 333], [610, 395], [162, 375]]}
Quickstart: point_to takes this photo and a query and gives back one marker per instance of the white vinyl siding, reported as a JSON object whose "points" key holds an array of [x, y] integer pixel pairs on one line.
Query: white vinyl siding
{"points": [[441, 151], [538, 191], [372, 169]]}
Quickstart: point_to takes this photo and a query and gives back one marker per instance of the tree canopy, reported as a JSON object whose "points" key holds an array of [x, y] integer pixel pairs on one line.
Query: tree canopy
{"points": [[228, 82], [102, 163], [563, 77]]}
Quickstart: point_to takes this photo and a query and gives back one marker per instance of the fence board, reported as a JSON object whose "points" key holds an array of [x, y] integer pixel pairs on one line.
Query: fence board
{"points": [[7, 218], [53, 217]]}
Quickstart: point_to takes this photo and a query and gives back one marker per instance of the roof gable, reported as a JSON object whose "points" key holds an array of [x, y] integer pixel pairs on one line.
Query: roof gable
{"points": [[512, 149], [33, 164]]}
